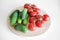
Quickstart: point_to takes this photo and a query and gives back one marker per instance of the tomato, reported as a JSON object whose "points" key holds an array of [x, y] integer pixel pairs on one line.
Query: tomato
{"points": [[31, 20], [45, 17], [30, 10], [39, 23], [31, 27], [36, 10], [33, 6], [39, 17], [27, 6], [33, 14]]}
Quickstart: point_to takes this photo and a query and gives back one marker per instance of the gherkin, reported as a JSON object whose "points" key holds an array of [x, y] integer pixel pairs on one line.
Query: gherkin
{"points": [[23, 14], [21, 28], [13, 17]]}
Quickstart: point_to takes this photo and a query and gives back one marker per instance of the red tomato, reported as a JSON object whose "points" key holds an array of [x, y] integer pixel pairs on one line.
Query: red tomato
{"points": [[39, 23], [31, 27], [27, 6], [33, 14], [45, 17], [30, 10], [33, 6], [39, 17], [31, 19], [37, 10]]}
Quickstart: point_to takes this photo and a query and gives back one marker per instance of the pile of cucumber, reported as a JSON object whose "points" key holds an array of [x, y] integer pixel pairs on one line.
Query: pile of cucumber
{"points": [[19, 20]]}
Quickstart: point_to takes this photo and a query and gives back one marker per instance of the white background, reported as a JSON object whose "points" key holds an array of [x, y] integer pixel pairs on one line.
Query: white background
{"points": [[50, 6]]}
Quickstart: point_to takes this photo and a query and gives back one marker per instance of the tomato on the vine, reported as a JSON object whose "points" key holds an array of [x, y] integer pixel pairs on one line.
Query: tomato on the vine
{"points": [[45, 17], [36, 10], [33, 14], [26, 6], [30, 10], [31, 27], [39, 23], [31, 19]]}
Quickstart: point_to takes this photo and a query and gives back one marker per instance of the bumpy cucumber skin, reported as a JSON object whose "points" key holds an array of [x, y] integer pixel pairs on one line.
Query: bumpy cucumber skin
{"points": [[24, 12], [13, 18], [21, 28], [19, 20], [25, 21]]}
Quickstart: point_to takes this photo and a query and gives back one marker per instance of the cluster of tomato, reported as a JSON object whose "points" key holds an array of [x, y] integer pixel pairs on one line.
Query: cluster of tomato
{"points": [[35, 19]]}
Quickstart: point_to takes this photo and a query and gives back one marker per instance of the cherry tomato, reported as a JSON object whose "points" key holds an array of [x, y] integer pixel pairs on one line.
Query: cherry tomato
{"points": [[31, 20], [39, 23], [39, 17], [26, 5], [30, 10], [33, 14], [31, 27], [33, 6], [45, 17], [37, 10]]}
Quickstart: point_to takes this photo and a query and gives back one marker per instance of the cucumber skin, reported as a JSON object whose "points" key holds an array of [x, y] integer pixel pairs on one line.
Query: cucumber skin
{"points": [[25, 21], [13, 18], [21, 28], [19, 21], [24, 12]]}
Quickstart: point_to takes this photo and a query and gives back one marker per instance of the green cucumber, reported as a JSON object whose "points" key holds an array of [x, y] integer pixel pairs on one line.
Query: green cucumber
{"points": [[19, 20], [25, 21], [21, 28], [24, 12], [13, 17]]}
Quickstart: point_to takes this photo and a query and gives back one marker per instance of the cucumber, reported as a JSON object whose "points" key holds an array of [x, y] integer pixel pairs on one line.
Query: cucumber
{"points": [[25, 21], [20, 15], [19, 20], [24, 12], [21, 28], [13, 17], [12, 14]]}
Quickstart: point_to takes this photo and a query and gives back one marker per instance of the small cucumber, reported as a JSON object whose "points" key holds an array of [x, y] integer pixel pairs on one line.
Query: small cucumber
{"points": [[24, 12], [25, 21], [21, 28], [13, 17], [19, 20], [12, 14]]}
